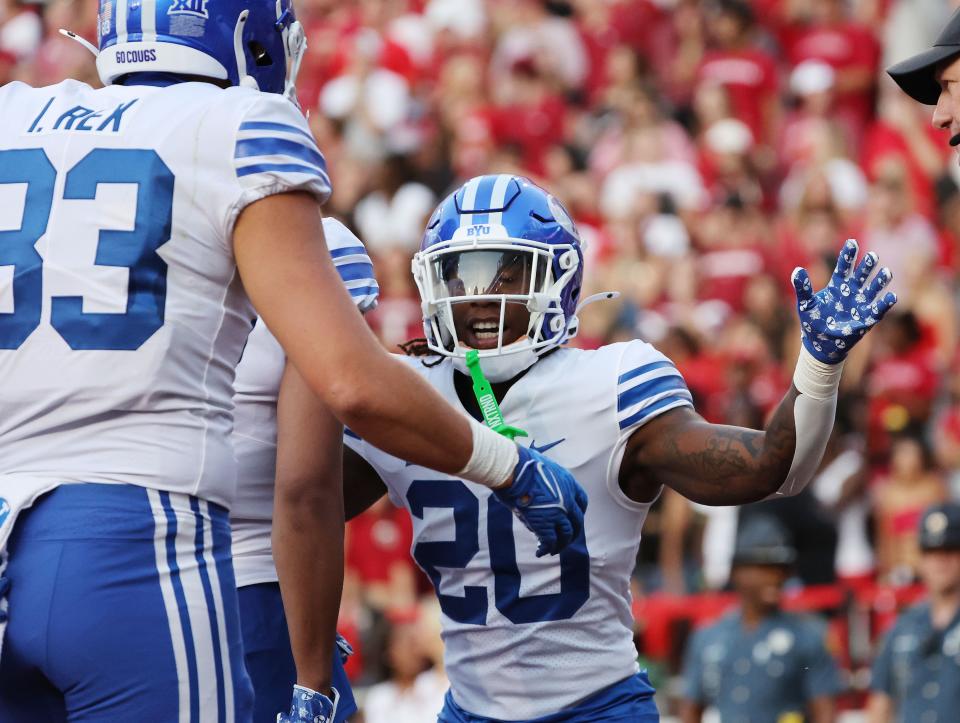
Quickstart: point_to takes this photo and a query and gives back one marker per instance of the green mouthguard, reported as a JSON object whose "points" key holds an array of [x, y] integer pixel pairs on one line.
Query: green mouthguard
{"points": [[488, 403]]}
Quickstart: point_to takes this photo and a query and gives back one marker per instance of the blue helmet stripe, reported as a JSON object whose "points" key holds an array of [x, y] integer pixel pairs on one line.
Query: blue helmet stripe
{"points": [[484, 196], [121, 20], [134, 28], [279, 147], [281, 127]]}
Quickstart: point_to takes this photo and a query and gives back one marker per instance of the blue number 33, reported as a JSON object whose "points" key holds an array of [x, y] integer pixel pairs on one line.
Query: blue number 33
{"points": [[135, 250]]}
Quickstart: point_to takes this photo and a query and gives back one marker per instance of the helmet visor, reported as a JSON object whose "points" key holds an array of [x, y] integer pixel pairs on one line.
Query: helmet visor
{"points": [[493, 272]]}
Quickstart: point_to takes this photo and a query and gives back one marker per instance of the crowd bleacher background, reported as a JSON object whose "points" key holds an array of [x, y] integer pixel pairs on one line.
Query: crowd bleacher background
{"points": [[705, 149]]}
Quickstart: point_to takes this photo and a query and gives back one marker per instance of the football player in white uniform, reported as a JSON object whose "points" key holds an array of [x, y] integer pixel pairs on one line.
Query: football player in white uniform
{"points": [[266, 643], [139, 221], [550, 639]]}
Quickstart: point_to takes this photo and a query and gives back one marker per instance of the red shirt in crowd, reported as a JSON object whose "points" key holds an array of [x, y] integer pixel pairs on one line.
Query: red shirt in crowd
{"points": [[750, 78], [883, 140], [377, 541], [845, 47], [898, 384], [532, 127]]}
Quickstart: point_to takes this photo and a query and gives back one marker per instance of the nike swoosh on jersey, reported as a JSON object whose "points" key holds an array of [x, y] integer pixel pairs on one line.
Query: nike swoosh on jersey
{"points": [[545, 448]]}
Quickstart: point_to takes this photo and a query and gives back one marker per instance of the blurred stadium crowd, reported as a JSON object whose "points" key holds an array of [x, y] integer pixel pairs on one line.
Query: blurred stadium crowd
{"points": [[705, 149]]}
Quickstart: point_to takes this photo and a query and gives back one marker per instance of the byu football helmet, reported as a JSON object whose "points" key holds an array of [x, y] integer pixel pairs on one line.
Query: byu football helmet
{"points": [[257, 44], [505, 240]]}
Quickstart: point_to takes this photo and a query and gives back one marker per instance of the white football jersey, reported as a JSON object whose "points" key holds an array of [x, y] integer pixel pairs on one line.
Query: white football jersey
{"points": [[255, 417], [525, 636], [122, 316]]}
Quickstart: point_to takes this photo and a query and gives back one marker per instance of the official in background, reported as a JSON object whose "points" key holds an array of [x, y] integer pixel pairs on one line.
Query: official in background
{"points": [[933, 78], [916, 675], [760, 664]]}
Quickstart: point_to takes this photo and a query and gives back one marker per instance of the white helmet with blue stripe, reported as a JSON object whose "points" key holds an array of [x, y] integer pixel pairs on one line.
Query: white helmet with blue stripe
{"points": [[257, 44]]}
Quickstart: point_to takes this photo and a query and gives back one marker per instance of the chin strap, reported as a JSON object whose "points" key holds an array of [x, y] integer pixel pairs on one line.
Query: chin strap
{"points": [[83, 41]]}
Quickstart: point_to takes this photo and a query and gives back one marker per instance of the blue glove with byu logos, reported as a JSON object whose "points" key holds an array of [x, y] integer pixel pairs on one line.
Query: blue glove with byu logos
{"points": [[309, 706], [547, 499], [837, 317]]}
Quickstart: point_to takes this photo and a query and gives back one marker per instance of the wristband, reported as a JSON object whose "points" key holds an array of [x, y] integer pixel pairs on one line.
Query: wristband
{"points": [[815, 378], [493, 459]]}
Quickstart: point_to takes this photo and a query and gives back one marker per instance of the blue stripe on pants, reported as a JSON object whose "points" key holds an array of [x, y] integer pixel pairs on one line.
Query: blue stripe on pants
{"points": [[211, 606], [89, 639], [174, 567]]}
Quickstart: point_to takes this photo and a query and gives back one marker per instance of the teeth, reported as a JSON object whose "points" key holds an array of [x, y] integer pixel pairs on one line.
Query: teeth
{"points": [[485, 326], [485, 334]]}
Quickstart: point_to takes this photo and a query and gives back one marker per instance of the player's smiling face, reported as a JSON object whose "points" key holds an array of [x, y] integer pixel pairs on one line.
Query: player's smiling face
{"points": [[490, 273], [478, 323]]}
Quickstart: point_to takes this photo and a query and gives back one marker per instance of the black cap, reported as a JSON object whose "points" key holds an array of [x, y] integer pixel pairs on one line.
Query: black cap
{"points": [[917, 75], [940, 527], [762, 540]]}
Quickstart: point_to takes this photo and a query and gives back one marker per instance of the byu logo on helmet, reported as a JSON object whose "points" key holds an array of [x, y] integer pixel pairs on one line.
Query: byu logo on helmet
{"points": [[189, 7]]}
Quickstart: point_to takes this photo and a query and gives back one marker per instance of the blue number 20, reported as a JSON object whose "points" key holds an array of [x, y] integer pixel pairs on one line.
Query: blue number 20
{"points": [[457, 553], [136, 249]]}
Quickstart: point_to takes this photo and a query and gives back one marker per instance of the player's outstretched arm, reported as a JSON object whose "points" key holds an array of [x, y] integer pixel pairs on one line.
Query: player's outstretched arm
{"points": [[721, 465], [308, 527], [288, 273]]}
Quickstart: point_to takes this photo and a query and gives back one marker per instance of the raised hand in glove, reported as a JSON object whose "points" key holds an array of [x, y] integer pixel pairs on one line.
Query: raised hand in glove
{"points": [[835, 318]]}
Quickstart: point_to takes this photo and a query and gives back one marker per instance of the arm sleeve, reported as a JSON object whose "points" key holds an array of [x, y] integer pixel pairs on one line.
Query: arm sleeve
{"points": [[353, 264], [821, 675], [274, 152]]}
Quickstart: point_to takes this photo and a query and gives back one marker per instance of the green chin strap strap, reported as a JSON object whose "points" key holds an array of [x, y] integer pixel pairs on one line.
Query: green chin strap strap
{"points": [[488, 403]]}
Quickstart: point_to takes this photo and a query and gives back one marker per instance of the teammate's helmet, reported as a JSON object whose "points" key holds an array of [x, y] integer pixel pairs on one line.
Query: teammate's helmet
{"points": [[244, 43], [487, 225]]}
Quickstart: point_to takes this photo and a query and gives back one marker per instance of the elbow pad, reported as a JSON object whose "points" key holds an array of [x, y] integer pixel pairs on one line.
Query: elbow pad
{"points": [[813, 415]]}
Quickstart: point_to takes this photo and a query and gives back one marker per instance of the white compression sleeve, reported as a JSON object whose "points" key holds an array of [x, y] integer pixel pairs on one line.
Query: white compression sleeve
{"points": [[813, 414], [493, 460]]}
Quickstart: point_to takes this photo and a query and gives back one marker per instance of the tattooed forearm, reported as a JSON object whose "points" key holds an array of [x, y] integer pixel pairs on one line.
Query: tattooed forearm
{"points": [[717, 464]]}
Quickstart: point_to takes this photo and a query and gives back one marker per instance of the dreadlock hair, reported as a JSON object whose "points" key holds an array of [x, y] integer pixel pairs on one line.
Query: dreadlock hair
{"points": [[419, 348]]}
